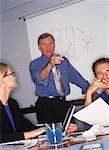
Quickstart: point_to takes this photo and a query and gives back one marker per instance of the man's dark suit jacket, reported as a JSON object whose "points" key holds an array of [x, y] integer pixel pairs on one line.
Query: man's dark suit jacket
{"points": [[21, 123]]}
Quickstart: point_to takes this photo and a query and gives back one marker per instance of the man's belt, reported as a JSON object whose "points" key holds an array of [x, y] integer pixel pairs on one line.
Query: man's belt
{"points": [[52, 97]]}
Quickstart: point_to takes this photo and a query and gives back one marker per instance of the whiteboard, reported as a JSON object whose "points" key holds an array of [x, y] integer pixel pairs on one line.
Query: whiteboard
{"points": [[81, 34]]}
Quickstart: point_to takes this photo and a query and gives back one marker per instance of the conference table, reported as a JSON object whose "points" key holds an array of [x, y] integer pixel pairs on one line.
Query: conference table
{"points": [[72, 143], [69, 142]]}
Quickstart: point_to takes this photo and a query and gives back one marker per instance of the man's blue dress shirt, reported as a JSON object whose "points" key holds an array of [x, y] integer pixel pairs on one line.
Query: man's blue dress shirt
{"points": [[105, 97], [47, 87]]}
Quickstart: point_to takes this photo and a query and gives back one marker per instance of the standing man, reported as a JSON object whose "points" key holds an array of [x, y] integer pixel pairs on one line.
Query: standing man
{"points": [[101, 84], [51, 74]]}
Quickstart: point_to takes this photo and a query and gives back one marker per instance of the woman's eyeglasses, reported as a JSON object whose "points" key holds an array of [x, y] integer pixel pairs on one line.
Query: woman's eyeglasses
{"points": [[13, 73]]}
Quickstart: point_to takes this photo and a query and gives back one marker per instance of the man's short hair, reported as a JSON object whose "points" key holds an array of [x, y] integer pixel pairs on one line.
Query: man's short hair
{"points": [[45, 35], [102, 60]]}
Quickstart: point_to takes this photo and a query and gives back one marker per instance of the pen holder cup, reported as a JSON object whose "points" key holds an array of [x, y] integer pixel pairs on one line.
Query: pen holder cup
{"points": [[54, 133]]}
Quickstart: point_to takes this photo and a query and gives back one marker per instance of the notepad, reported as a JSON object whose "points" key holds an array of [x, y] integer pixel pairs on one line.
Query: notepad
{"points": [[95, 113]]}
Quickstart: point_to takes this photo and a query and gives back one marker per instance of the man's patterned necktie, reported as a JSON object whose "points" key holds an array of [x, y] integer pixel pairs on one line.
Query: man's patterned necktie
{"points": [[58, 80]]}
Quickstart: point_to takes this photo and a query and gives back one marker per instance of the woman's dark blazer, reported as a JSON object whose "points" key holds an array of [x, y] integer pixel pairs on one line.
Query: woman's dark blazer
{"points": [[21, 123]]}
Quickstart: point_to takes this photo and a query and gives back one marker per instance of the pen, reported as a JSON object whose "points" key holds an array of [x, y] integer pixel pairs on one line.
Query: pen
{"points": [[53, 128], [47, 126], [16, 143]]}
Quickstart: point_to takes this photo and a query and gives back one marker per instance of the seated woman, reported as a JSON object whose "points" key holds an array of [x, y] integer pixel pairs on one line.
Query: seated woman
{"points": [[100, 86], [13, 125]]}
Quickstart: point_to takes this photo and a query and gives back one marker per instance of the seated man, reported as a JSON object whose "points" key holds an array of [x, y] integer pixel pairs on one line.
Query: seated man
{"points": [[100, 86]]}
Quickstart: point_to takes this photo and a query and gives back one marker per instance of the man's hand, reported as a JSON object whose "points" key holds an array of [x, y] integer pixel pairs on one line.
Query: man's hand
{"points": [[97, 84], [71, 128], [56, 59]]}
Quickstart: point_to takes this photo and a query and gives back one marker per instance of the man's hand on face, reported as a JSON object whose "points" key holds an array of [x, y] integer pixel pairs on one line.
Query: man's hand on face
{"points": [[106, 83]]}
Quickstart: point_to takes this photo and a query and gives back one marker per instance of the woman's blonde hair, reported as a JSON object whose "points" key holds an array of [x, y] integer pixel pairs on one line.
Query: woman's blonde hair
{"points": [[3, 69]]}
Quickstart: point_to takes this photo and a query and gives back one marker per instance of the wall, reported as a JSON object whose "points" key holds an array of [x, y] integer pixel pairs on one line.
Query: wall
{"points": [[14, 50]]}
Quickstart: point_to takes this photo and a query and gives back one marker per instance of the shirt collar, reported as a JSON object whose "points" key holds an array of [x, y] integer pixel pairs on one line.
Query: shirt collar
{"points": [[45, 58]]}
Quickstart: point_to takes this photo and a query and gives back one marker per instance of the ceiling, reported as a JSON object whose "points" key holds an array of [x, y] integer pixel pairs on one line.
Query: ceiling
{"points": [[17, 8], [7, 5]]}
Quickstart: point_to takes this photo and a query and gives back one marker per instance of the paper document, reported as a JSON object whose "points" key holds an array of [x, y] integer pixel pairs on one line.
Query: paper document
{"points": [[24, 144], [95, 113]]}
